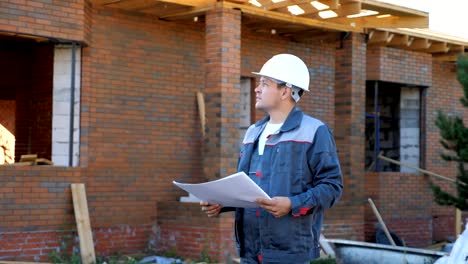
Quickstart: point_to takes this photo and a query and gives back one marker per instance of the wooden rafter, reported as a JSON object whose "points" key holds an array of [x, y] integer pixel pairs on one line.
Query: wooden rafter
{"points": [[289, 18], [380, 37], [387, 22], [401, 27], [430, 35], [457, 48], [450, 56], [189, 2], [269, 5], [420, 44], [438, 47], [400, 41], [194, 11], [383, 7]]}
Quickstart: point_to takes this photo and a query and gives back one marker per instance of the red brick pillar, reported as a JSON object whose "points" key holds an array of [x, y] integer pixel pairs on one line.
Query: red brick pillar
{"points": [[350, 98], [222, 104], [222, 92]]}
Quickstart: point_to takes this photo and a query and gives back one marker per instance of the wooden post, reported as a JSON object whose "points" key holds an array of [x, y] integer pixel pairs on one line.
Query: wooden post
{"points": [[384, 227], [80, 206], [458, 224], [201, 111]]}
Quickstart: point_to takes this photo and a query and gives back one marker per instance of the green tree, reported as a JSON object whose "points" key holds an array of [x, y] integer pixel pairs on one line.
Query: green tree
{"points": [[454, 136]]}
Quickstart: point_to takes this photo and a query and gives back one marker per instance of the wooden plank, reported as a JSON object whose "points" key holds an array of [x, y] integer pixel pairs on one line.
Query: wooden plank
{"points": [[28, 157], [382, 223], [418, 169], [384, 7], [43, 161], [273, 5], [458, 222], [380, 37], [438, 47], [80, 205], [201, 111], [400, 41], [194, 11], [428, 34], [385, 22], [189, 2], [252, 10], [420, 44]]}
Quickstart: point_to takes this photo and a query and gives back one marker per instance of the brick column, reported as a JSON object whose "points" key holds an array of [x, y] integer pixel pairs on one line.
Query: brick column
{"points": [[350, 98], [222, 92], [222, 105]]}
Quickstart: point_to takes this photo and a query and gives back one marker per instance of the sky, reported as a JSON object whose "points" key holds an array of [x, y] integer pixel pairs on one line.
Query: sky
{"points": [[446, 16]]}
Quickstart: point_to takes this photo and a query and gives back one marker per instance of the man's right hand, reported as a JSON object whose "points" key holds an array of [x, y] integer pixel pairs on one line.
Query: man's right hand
{"points": [[211, 210]]}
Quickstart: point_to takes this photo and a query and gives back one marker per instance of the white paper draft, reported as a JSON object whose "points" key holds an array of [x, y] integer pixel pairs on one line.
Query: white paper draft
{"points": [[236, 190]]}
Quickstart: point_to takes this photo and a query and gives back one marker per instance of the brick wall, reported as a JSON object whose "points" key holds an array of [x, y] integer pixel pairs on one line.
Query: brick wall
{"points": [[187, 230], [400, 66], [444, 95], [57, 19], [140, 130], [405, 200]]}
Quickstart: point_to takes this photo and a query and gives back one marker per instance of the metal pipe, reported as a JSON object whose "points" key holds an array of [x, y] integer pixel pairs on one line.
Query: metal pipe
{"points": [[72, 105]]}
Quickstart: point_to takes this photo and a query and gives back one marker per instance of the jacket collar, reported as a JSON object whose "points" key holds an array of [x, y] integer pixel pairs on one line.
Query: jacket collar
{"points": [[292, 121]]}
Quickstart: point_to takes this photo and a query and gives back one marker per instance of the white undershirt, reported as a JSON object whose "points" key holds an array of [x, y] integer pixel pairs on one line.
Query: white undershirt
{"points": [[269, 129]]}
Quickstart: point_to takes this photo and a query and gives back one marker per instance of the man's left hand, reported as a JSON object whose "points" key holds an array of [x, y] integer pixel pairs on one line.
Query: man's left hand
{"points": [[278, 206]]}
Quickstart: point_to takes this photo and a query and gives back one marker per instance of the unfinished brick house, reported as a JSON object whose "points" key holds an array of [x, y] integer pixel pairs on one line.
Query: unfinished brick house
{"points": [[107, 91]]}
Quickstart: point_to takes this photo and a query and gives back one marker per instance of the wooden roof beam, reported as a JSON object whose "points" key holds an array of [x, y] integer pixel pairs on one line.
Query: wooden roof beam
{"points": [[421, 33], [394, 9], [400, 41], [380, 37], [420, 44], [457, 48], [269, 5], [189, 2], [321, 24], [450, 56], [194, 11], [438, 47], [386, 22], [349, 8]]}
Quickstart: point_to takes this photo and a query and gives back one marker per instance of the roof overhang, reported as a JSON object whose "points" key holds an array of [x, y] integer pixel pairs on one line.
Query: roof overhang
{"points": [[441, 46], [386, 24]]}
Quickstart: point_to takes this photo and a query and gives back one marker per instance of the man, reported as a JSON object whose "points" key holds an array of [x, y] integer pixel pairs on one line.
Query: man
{"points": [[293, 158]]}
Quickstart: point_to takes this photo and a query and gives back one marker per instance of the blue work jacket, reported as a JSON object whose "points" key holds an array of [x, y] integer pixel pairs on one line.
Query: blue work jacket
{"points": [[299, 161]]}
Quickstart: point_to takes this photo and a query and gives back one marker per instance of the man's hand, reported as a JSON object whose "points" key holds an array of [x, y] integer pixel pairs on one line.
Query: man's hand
{"points": [[211, 210], [278, 206]]}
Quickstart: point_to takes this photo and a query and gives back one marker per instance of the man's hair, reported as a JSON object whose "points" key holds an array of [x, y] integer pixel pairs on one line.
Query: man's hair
{"points": [[294, 89]]}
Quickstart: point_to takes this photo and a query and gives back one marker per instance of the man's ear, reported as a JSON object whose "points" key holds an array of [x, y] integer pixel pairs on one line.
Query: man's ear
{"points": [[286, 93]]}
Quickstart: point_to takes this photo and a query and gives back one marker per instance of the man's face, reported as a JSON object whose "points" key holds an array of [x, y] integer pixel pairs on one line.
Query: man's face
{"points": [[268, 95]]}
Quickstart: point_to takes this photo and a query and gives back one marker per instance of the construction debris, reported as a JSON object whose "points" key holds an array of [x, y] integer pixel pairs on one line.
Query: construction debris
{"points": [[80, 205]]}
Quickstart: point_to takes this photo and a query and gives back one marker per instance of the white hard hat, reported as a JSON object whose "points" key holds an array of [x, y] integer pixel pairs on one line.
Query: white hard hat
{"points": [[287, 68]]}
